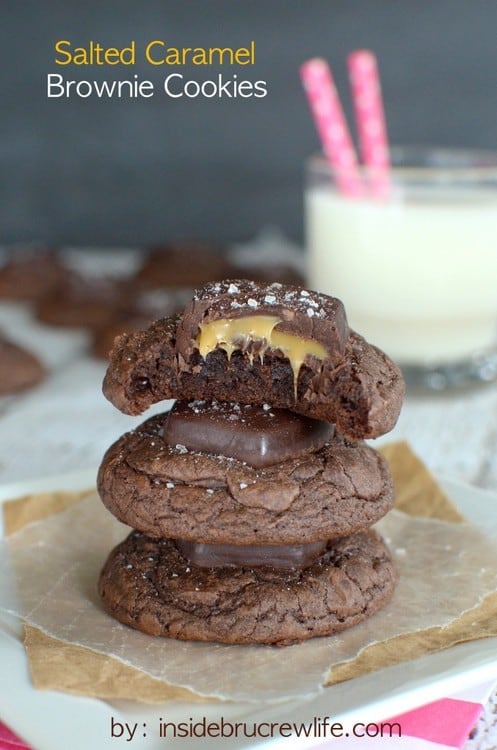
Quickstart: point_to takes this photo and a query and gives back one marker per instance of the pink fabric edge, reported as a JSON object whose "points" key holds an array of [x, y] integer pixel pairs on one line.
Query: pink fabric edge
{"points": [[10, 741], [447, 721]]}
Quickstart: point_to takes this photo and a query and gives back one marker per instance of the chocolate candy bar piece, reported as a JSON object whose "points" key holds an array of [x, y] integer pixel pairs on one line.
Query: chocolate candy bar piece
{"points": [[171, 492], [283, 557], [256, 317], [258, 435], [146, 583]]}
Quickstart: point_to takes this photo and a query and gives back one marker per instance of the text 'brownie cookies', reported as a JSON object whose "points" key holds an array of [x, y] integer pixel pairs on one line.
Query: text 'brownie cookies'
{"points": [[252, 499]]}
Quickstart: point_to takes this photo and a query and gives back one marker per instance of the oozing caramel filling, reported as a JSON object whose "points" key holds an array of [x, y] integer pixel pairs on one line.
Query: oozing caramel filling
{"points": [[242, 333]]}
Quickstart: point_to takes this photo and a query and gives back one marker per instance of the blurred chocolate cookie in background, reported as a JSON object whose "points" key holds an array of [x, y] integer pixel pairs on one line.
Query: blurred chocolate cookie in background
{"points": [[83, 301], [183, 264], [284, 274], [19, 368], [28, 273], [143, 308]]}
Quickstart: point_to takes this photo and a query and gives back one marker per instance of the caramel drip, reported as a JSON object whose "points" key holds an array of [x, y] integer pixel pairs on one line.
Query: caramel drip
{"points": [[231, 334]]}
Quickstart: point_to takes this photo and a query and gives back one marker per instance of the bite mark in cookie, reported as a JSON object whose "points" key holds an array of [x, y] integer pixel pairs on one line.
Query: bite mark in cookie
{"points": [[356, 387]]}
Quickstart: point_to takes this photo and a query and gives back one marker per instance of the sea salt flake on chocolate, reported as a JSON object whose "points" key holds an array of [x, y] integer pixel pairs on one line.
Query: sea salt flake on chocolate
{"points": [[170, 485], [304, 293], [310, 312], [251, 302], [181, 448], [233, 289], [270, 299]]}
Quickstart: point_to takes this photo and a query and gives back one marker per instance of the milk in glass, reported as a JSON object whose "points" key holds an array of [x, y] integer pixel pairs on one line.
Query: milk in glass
{"points": [[417, 272]]}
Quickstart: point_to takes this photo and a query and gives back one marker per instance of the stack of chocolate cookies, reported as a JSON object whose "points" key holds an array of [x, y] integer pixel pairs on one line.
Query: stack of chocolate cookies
{"points": [[252, 499]]}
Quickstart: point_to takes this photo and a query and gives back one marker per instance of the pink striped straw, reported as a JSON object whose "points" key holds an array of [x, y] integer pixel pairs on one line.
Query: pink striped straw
{"points": [[370, 119], [331, 125]]}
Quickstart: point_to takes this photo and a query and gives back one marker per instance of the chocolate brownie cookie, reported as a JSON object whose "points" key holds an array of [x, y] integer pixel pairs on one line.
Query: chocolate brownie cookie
{"points": [[19, 369], [270, 273], [183, 263], [251, 516], [362, 393], [28, 274], [82, 301], [170, 491], [142, 308], [148, 584]]}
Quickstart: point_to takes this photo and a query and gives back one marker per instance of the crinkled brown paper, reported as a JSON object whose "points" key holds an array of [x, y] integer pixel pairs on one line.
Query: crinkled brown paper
{"points": [[75, 647]]}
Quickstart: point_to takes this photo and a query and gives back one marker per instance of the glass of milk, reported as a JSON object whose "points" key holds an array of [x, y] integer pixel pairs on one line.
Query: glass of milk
{"points": [[417, 269]]}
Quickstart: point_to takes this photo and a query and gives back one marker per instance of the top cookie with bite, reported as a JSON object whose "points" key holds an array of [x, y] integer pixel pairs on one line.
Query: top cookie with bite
{"points": [[260, 343]]}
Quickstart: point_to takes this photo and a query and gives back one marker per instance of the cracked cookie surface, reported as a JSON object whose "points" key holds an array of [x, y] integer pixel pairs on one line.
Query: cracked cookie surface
{"points": [[146, 583], [171, 492]]}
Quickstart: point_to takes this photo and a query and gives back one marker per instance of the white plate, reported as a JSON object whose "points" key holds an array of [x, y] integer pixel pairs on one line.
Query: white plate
{"points": [[54, 721]]}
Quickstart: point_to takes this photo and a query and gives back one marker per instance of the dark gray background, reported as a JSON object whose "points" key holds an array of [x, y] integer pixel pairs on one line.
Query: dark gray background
{"points": [[114, 172]]}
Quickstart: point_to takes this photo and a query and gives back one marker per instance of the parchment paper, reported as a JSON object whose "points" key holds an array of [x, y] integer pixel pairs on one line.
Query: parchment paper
{"points": [[446, 569]]}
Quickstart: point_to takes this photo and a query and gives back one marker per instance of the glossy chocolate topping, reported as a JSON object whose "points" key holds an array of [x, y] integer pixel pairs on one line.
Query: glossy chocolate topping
{"points": [[253, 556], [305, 315], [259, 435]]}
